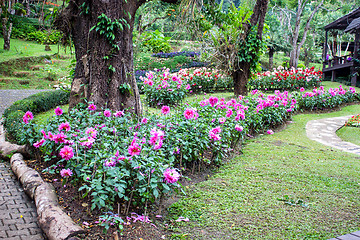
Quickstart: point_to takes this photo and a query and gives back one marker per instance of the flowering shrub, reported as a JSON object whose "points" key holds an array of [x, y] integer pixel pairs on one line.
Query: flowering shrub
{"points": [[207, 80], [284, 79], [117, 158], [174, 54], [354, 121], [320, 99], [163, 88]]}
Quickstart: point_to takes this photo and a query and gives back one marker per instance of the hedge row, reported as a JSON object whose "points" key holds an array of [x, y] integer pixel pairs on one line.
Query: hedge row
{"points": [[37, 103]]}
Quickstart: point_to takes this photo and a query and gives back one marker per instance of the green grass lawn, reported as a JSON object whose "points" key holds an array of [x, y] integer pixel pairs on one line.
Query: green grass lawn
{"points": [[28, 66], [21, 48], [247, 198], [350, 134]]}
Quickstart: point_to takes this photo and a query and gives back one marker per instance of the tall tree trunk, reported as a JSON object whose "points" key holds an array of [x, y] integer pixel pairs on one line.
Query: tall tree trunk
{"points": [[242, 73], [6, 28], [28, 11], [94, 81], [240, 78], [296, 46], [271, 57], [306, 57]]}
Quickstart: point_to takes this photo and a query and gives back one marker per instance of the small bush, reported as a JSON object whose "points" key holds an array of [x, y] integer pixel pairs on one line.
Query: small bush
{"points": [[207, 80], [155, 42], [320, 99], [36, 103], [163, 88]]}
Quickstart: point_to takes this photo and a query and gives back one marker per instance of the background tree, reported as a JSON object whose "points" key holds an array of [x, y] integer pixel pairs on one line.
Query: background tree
{"points": [[102, 35], [274, 36], [6, 14], [296, 45], [235, 41]]}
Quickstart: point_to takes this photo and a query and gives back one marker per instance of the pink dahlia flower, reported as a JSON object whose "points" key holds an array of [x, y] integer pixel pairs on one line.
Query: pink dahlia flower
{"points": [[39, 143], [171, 175], [270, 131], [134, 149], [92, 107], [67, 152], [165, 110], [238, 128], [65, 126], [58, 111], [66, 173]]}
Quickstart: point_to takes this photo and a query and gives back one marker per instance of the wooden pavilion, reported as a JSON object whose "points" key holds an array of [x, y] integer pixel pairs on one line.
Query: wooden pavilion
{"points": [[342, 65]]}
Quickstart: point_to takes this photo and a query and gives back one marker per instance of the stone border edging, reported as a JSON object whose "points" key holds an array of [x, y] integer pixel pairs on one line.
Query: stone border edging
{"points": [[55, 223]]}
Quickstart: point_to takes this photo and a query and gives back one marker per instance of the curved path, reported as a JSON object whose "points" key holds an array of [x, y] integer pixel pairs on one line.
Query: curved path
{"points": [[18, 217], [324, 131]]}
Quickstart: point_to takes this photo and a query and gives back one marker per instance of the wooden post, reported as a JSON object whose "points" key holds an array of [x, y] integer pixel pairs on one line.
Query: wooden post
{"points": [[325, 61], [325, 48], [353, 72]]}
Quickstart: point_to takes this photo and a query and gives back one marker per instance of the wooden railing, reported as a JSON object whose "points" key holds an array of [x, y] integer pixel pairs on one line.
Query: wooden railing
{"points": [[343, 60]]}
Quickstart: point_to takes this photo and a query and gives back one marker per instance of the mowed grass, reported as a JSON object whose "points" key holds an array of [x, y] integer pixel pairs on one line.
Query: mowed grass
{"points": [[350, 134], [21, 48], [247, 198], [28, 66]]}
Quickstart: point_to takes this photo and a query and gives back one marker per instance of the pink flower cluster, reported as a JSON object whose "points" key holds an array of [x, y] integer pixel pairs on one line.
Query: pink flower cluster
{"points": [[277, 100], [171, 175], [215, 134], [66, 173], [333, 92], [27, 117]]}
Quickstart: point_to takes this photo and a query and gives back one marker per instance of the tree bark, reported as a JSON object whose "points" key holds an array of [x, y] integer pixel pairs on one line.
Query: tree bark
{"points": [[28, 11], [242, 73], [271, 57], [7, 28], [93, 80], [295, 52], [240, 78]]}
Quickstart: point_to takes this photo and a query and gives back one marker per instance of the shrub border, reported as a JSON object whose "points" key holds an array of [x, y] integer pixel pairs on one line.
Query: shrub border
{"points": [[37, 103]]}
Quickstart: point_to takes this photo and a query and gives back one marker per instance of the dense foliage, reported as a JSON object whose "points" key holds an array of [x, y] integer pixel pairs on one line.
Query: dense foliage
{"points": [[117, 158]]}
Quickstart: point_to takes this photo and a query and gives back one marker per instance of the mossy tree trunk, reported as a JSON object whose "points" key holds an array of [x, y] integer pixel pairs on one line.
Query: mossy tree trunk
{"points": [[242, 74], [6, 29]]}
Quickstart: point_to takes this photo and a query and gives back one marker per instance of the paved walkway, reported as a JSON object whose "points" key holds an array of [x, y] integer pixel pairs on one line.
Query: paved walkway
{"points": [[18, 217], [9, 96], [324, 131]]}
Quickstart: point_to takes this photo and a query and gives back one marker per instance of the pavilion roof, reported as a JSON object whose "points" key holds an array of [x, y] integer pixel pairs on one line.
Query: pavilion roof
{"points": [[343, 22], [355, 24]]}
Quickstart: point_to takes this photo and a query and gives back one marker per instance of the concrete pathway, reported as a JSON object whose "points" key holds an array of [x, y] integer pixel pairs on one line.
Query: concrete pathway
{"points": [[9, 96], [18, 217], [324, 131]]}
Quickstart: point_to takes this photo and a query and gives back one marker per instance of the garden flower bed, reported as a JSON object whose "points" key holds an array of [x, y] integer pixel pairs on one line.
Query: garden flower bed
{"points": [[162, 88], [286, 79], [121, 163]]}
